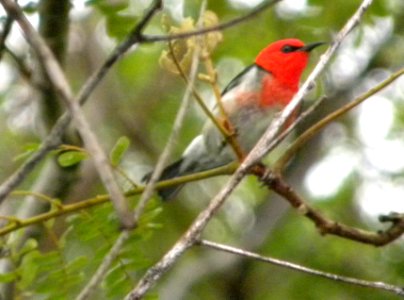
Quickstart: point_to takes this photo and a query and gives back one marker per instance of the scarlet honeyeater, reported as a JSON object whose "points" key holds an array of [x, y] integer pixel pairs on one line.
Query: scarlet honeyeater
{"points": [[251, 101]]}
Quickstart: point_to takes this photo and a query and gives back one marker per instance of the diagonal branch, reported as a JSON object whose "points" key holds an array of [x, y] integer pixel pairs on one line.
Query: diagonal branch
{"points": [[103, 268], [62, 88], [325, 225], [354, 281], [183, 35], [192, 234], [227, 134], [313, 130], [8, 24]]}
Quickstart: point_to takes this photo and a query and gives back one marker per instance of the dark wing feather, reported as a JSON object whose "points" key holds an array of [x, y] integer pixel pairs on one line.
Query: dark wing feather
{"points": [[169, 172], [236, 80]]}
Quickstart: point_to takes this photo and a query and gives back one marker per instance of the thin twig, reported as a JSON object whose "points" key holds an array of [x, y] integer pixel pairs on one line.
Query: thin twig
{"points": [[224, 116], [100, 199], [350, 280], [193, 232], [313, 130], [25, 71], [278, 139], [183, 35], [179, 120], [8, 24], [55, 202], [197, 96], [227, 135], [103, 268]]}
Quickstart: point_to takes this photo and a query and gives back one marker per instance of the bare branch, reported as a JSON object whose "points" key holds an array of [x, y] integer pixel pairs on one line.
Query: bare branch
{"points": [[104, 266], [350, 280], [325, 225], [300, 119], [8, 24], [189, 238], [164, 38]]}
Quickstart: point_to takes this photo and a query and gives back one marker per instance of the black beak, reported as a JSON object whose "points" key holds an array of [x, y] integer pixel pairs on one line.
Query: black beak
{"points": [[309, 47]]}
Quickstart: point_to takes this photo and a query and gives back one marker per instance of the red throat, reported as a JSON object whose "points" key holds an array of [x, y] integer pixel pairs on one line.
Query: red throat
{"points": [[275, 94]]}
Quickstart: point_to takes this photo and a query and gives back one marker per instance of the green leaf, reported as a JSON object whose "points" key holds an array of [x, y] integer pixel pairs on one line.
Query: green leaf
{"points": [[70, 158], [30, 245], [119, 149], [109, 7], [8, 277], [31, 7], [28, 269], [119, 26], [28, 150]]}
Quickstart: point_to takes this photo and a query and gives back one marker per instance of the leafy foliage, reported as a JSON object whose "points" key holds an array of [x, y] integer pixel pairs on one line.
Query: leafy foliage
{"points": [[138, 101], [61, 271], [118, 20]]}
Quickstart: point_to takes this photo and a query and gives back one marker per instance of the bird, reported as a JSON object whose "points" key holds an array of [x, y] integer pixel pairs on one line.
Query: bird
{"points": [[250, 100]]}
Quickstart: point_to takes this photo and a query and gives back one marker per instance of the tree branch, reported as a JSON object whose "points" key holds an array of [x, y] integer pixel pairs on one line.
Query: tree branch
{"points": [[285, 264], [183, 35], [325, 225], [100, 199], [103, 268], [8, 24]]}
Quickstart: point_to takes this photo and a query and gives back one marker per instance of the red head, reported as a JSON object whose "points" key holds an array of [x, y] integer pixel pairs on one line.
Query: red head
{"points": [[286, 60]]}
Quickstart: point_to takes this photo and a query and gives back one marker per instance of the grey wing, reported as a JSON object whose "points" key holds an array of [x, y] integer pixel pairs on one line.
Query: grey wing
{"points": [[251, 116]]}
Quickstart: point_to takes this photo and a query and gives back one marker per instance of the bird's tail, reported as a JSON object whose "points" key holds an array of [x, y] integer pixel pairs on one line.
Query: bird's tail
{"points": [[169, 172]]}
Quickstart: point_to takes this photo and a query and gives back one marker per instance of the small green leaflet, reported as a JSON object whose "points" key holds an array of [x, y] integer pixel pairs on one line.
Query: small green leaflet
{"points": [[71, 158], [119, 150], [28, 150]]}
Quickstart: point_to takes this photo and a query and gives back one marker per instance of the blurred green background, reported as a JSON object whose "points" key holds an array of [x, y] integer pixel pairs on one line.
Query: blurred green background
{"points": [[353, 171]]}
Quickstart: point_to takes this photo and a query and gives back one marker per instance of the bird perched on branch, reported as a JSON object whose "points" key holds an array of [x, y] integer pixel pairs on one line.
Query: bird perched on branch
{"points": [[250, 102]]}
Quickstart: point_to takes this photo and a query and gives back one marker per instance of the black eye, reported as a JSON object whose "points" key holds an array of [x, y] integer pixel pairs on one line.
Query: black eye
{"points": [[288, 48]]}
